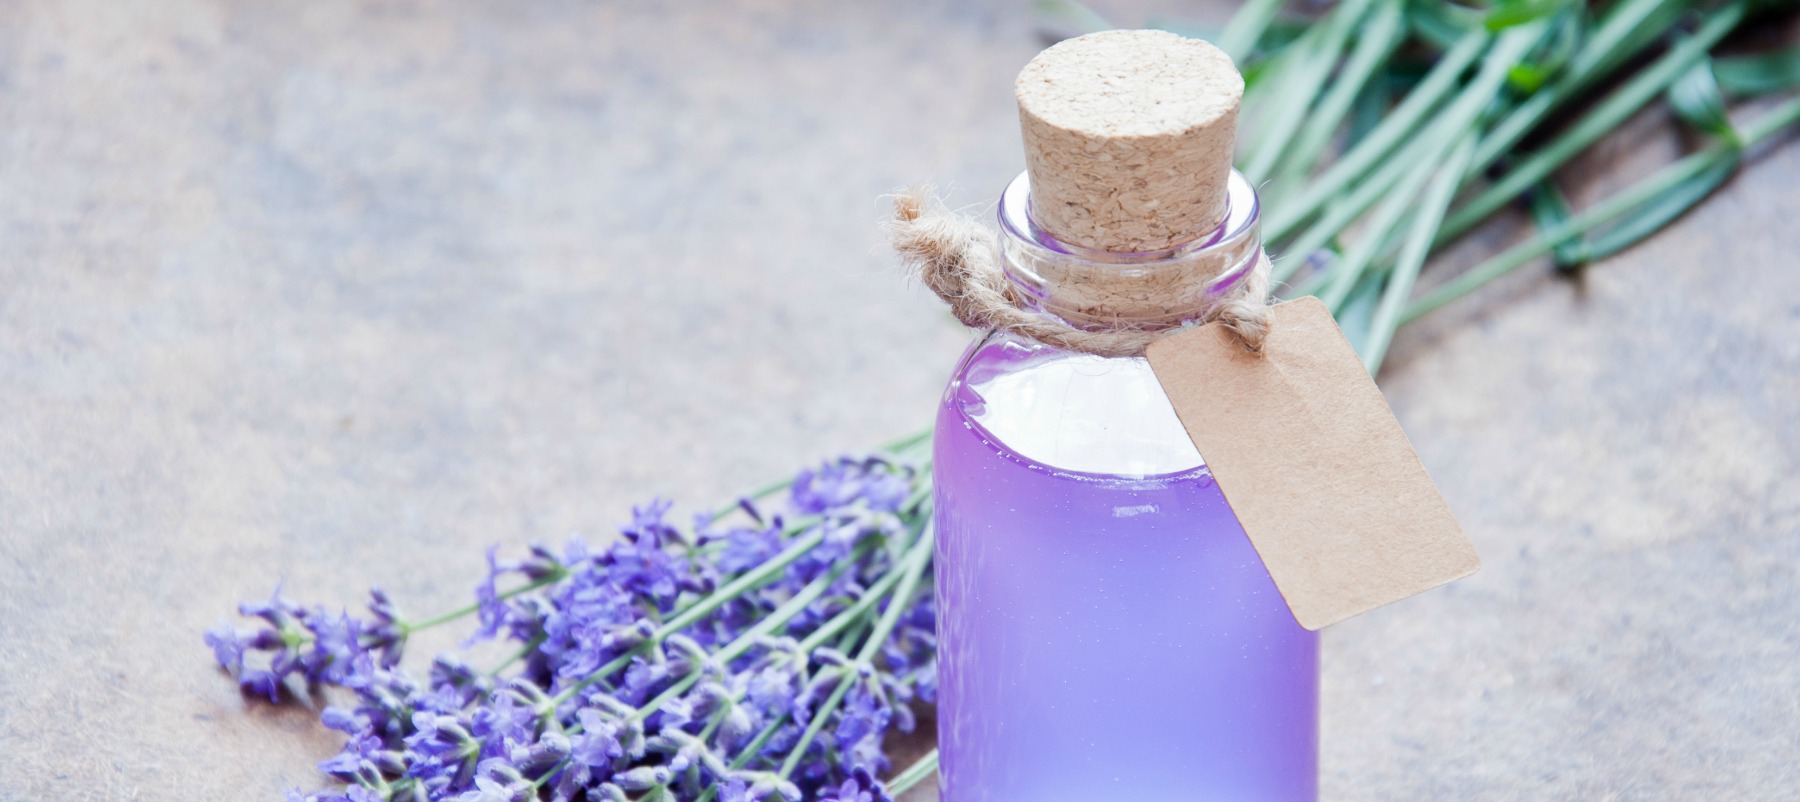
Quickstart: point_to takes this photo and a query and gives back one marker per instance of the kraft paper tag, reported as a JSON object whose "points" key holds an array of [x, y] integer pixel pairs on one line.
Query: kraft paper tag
{"points": [[1314, 465]]}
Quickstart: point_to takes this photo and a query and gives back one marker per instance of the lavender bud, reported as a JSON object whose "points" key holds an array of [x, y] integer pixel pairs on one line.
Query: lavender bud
{"points": [[603, 702], [628, 636], [904, 720], [368, 774], [344, 721], [712, 694], [830, 657], [736, 727], [607, 792], [228, 648], [389, 762], [342, 766], [542, 564], [643, 778], [448, 669], [551, 748], [499, 769], [448, 729], [819, 686], [631, 737], [713, 764], [686, 649], [749, 508], [527, 691], [764, 783], [383, 607]]}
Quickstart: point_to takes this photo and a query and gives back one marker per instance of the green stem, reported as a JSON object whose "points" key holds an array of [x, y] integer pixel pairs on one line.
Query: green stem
{"points": [[1246, 28], [1665, 180], [870, 598], [1412, 254], [838, 622], [914, 774], [897, 447], [1450, 127], [769, 623], [1338, 216], [1393, 130], [753, 749], [1315, 55], [1622, 34], [914, 567], [1617, 38], [1603, 119], [410, 627], [755, 577], [1348, 269], [817, 722], [1374, 42]]}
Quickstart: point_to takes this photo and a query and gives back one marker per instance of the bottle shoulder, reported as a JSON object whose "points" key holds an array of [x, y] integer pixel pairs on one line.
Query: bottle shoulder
{"points": [[1069, 411]]}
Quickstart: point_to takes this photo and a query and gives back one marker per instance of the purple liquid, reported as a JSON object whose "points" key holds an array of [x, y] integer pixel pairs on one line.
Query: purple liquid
{"points": [[1103, 637]]}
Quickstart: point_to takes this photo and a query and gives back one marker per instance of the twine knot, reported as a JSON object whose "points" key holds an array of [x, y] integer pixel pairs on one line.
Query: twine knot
{"points": [[955, 256]]}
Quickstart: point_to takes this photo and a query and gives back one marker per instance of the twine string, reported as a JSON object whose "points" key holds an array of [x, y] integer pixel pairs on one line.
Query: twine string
{"points": [[955, 256]]}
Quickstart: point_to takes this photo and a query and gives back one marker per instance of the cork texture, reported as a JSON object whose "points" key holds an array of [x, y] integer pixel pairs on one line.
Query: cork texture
{"points": [[1128, 138]]}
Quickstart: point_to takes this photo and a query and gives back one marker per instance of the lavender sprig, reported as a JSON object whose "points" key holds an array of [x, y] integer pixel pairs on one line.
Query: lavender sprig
{"points": [[674, 664]]}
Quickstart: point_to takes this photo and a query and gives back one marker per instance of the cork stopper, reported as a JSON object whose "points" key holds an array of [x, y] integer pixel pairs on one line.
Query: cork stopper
{"points": [[1128, 139]]}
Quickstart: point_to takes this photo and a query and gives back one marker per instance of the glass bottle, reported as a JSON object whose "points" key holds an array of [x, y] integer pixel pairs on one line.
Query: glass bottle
{"points": [[1107, 632]]}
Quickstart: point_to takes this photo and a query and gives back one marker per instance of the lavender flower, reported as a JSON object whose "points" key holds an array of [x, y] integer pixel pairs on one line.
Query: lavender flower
{"points": [[859, 787], [606, 699], [489, 609]]}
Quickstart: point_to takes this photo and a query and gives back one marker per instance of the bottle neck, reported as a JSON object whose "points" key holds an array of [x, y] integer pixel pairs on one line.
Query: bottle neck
{"points": [[1104, 290]]}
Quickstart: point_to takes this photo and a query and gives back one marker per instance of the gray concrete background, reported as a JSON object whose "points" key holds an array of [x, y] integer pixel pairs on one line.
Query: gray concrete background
{"points": [[341, 293]]}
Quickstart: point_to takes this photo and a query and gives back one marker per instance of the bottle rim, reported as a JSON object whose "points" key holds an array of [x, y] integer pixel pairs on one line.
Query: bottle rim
{"points": [[1100, 290]]}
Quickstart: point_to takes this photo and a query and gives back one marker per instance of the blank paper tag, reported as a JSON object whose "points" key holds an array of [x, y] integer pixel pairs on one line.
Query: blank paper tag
{"points": [[1311, 459]]}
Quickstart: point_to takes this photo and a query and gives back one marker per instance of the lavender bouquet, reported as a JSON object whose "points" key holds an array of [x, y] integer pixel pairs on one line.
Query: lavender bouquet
{"points": [[762, 653]]}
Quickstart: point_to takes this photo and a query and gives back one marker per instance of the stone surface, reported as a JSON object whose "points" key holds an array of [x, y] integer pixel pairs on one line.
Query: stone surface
{"points": [[340, 293]]}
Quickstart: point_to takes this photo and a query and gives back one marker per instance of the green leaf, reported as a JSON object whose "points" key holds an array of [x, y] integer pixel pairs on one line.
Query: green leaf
{"points": [[1356, 315], [1507, 13], [1256, 74], [1414, 250], [1761, 74], [1527, 78], [1598, 120], [1442, 24], [1697, 100], [1648, 204], [1248, 29], [1662, 208], [1550, 211], [1376, 35], [1371, 106], [1566, 36]]}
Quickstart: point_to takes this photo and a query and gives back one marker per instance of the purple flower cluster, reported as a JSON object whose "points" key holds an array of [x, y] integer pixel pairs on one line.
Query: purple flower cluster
{"points": [[760, 660], [309, 641]]}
